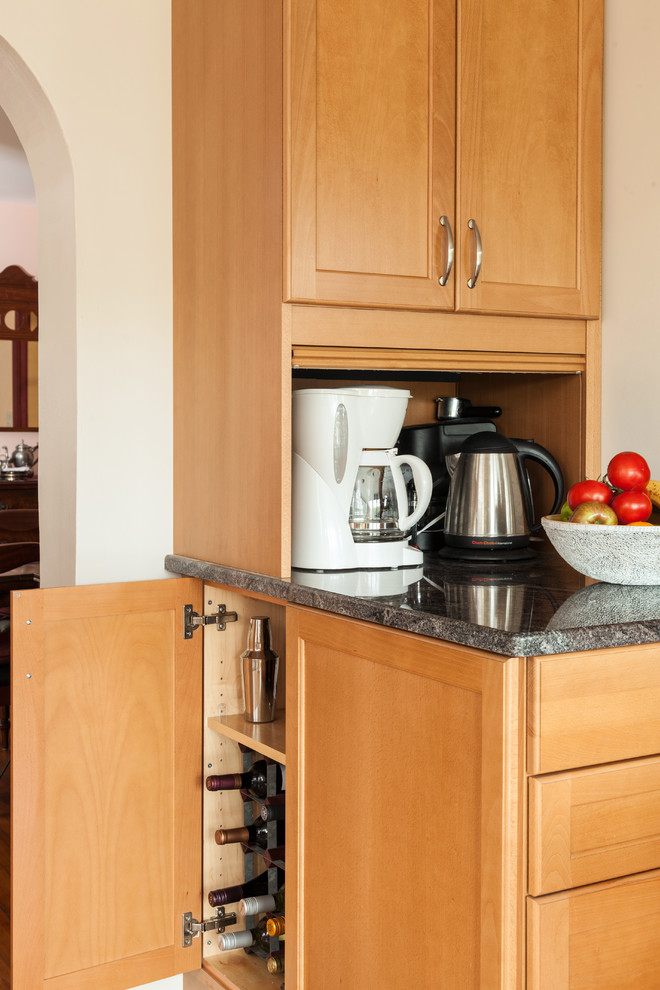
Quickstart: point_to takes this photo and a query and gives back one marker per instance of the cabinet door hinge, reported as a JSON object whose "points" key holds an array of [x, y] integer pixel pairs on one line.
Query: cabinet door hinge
{"points": [[191, 619], [191, 928]]}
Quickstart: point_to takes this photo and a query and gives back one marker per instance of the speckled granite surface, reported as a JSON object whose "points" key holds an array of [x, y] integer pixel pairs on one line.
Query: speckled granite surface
{"points": [[534, 607]]}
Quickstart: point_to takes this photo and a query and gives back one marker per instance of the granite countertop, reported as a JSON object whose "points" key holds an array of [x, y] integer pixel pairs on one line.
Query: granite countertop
{"points": [[539, 606]]}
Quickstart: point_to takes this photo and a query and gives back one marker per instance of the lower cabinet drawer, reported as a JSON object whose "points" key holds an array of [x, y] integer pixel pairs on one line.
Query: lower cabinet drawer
{"points": [[596, 707], [605, 937], [591, 825]]}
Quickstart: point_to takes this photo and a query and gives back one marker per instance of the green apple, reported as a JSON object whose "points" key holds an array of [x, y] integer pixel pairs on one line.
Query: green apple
{"points": [[566, 512], [596, 513]]}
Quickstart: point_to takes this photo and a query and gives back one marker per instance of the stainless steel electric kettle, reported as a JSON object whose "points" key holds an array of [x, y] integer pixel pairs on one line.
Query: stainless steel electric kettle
{"points": [[489, 506]]}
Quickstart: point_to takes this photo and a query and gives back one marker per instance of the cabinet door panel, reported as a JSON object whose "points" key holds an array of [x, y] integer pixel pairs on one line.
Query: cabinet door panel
{"points": [[529, 152], [106, 807], [371, 155], [406, 762], [596, 938]]}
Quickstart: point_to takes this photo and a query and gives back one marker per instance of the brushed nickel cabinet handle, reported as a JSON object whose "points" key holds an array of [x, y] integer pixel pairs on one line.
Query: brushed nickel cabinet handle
{"points": [[472, 224], [444, 222]]}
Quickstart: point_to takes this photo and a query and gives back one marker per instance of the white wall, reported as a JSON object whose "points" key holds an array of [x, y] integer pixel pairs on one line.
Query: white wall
{"points": [[94, 80], [631, 231], [18, 236]]}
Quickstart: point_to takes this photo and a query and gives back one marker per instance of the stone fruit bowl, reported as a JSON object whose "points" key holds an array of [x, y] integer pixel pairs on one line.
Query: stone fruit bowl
{"points": [[616, 554]]}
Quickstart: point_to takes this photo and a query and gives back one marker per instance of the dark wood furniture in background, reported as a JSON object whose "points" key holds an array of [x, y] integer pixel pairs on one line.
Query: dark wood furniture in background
{"points": [[19, 494], [19, 547], [19, 323]]}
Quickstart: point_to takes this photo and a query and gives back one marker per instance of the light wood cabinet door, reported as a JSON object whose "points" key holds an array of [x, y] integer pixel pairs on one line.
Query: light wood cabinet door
{"points": [[586, 826], [371, 151], [389, 127], [605, 937], [529, 148], [106, 784], [404, 754]]}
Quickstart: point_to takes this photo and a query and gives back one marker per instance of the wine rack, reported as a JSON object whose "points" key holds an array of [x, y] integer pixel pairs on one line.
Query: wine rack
{"points": [[231, 745], [252, 856]]}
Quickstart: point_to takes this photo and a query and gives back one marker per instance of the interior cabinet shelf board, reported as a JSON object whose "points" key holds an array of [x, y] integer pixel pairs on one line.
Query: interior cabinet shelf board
{"points": [[266, 737]]}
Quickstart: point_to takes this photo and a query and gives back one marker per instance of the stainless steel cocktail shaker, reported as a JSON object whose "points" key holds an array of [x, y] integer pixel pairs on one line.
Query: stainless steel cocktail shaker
{"points": [[259, 668]]}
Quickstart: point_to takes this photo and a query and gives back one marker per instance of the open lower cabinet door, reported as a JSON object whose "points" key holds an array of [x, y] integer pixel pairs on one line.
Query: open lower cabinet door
{"points": [[106, 784]]}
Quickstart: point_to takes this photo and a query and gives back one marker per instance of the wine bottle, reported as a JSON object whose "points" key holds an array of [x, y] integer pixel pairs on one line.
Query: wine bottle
{"points": [[248, 939], [254, 781], [262, 903], [249, 888], [257, 833], [275, 926], [275, 962], [274, 808]]}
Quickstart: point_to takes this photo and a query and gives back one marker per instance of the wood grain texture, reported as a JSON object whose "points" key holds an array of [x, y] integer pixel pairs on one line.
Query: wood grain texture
{"points": [[603, 937], [418, 360], [403, 717], [5, 880], [267, 737], [350, 327], [107, 748], [592, 401], [241, 972], [587, 826], [529, 93], [370, 150], [530, 404], [592, 708], [231, 359]]}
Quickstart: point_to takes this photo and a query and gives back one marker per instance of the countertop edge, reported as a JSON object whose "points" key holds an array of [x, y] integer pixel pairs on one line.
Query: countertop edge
{"points": [[422, 623]]}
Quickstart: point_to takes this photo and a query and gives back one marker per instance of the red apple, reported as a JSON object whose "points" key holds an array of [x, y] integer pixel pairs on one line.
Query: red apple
{"points": [[589, 491], [597, 513]]}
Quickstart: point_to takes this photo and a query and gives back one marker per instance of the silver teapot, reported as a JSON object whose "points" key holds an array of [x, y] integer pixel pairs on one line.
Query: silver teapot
{"points": [[24, 456]]}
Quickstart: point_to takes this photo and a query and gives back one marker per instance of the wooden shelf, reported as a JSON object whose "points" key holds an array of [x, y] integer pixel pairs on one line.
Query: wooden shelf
{"points": [[238, 970], [266, 737]]}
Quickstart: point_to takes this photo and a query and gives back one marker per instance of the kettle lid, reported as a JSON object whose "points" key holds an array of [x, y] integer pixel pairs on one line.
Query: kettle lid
{"points": [[488, 443]]}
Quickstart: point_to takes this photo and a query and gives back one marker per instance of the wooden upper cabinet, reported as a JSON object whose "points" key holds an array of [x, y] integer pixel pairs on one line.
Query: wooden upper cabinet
{"points": [[530, 83], [371, 156], [394, 125]]}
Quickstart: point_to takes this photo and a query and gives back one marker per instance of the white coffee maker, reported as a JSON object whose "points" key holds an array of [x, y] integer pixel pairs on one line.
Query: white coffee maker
{"points": [[350, 498]]}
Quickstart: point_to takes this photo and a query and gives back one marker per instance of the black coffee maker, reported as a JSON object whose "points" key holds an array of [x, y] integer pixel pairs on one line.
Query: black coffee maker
{"points": [[457, 419]]}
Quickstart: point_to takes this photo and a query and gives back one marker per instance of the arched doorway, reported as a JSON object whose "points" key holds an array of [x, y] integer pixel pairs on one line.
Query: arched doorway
{"points": [[39, 132]]}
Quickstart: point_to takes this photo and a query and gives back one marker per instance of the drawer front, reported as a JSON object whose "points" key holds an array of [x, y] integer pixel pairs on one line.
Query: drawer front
{"points": [[601, 706], [605, 937], [18, 495], [593, 825]]}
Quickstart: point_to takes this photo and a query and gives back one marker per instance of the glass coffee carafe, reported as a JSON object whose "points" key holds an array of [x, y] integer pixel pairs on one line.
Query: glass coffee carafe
{"points": [[380, 500]]}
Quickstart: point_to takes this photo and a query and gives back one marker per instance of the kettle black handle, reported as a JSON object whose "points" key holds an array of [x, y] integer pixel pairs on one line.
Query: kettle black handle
{"points": [[535, 452]]}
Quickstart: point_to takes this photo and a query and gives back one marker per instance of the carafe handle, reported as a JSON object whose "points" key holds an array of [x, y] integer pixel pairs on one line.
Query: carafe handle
{"points": [[423, 480]]}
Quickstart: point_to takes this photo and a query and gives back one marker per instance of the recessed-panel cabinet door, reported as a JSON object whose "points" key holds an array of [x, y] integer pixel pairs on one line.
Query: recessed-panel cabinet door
{"points": [[106, 793], [403, 755], [371, 150], [528, 173]]}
